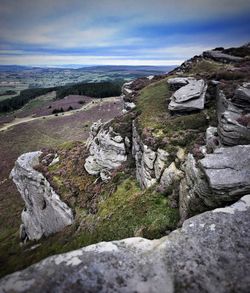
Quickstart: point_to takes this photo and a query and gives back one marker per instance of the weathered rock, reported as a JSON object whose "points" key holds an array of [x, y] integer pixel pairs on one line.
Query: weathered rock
{"points": [[170, 175], [233, 121], [194, 190], [221, 57], [241, 96], [107, 151], [220, 178], [189, 97], [44, 212], [126, 89], [212, 139], [177, 82], [129, 106], [144, 159], [162, 160], [209, 253], [228, 172]]}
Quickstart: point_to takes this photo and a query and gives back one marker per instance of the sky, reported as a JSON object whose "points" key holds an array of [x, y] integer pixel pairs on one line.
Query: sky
{"points": [[118, 32]]}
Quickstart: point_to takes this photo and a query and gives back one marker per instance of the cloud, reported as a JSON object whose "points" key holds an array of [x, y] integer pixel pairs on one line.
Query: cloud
{"points": [[145, 29], [84, 60]]}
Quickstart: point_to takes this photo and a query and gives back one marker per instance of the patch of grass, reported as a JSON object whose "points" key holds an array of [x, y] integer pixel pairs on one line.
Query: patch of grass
{"points": [[131, 212], [205, 67], [159, 128]]}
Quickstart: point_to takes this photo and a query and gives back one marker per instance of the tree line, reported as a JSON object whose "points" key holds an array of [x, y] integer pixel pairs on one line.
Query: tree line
{"points": [[96, 90]]}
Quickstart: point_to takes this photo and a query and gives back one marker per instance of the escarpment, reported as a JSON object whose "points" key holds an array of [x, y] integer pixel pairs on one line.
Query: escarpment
{"points": [[180, 149]]}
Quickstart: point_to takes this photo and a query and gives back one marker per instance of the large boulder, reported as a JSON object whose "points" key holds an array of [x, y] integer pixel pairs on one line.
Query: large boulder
{"points": [[107, 151], [189, 97], [209, 253], [44, 212], [228, 172], [234, 117], [219, 178]]}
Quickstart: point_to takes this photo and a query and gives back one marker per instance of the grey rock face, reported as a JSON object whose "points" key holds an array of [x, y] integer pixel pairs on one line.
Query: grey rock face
{"points": [[170, 175], [228, 171], [44, 212], [107, 151], [189, 97], [144, 159], [220, 178], [221, 57], [234, 119], [126, 89], [242, 96], [212, 139], [154, 166], [194, 190], [209, 253]]}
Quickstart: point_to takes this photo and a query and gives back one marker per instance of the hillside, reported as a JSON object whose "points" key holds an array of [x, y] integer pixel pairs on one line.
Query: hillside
{"points": [[173, 167]]}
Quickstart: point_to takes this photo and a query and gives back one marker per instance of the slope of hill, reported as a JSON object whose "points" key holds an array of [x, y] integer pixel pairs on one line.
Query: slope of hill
{"points": [[181, 148]]}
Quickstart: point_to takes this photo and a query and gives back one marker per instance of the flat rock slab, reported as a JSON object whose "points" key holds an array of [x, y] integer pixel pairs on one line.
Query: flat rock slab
{"points": [[220, 56], [190, 91], [228, 170], [210, 253]]}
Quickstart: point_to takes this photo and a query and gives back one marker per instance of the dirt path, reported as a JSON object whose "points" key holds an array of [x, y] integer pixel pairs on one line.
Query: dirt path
{"points": [[93, 103]]}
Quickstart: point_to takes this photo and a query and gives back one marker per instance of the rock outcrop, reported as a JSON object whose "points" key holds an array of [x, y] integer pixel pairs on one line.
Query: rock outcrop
{"points": [[189, 97], [234, 117], [107, 151], [219, 56], [209, 253], [219, 178], [44, 212]]}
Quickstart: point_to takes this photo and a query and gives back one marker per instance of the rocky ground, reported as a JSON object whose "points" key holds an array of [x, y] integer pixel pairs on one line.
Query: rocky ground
{"points": [[181, 148]]}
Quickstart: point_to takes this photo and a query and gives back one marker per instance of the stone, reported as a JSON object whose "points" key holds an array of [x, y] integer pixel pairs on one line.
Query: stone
{"points": [[107, 151], [241, 96], [218, 179], [126, 89], [128, 106], [44, 212], [144, 160], [233, 121], [221, 57], [161, 162], [192, 90], [170, 175], [177, 82], [228, 172], [209, 253], [212, 139], [189, 97], [194, 191]]}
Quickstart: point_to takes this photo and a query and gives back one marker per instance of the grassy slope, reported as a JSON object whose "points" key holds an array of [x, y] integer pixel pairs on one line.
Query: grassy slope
{"points": [[118, 209], [166, 130], [30, 137]]}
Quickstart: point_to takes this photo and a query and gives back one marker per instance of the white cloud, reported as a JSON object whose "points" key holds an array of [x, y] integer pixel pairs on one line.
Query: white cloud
{"points": [[84, 60]]}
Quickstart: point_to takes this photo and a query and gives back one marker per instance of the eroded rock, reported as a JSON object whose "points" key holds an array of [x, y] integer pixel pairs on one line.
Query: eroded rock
{"points": [[107, 151], [189, 97], [44, 212], [219, 56], [234, 119]]}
